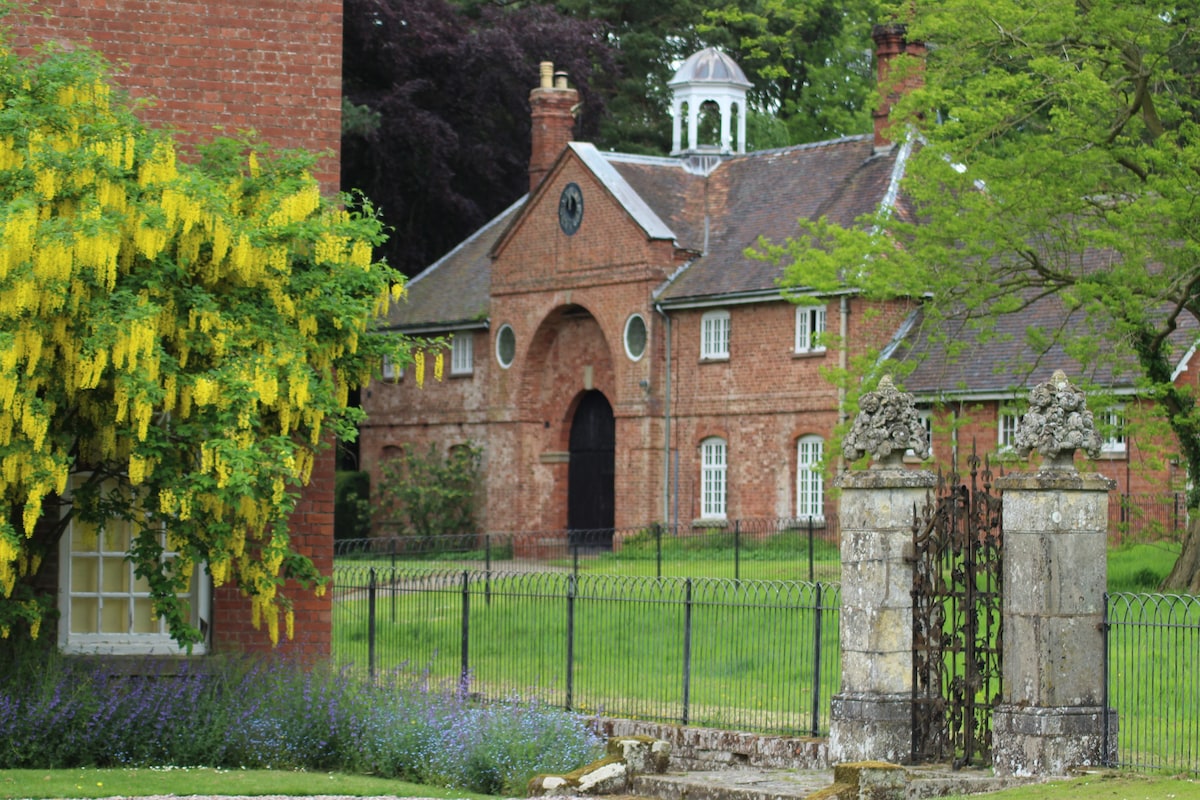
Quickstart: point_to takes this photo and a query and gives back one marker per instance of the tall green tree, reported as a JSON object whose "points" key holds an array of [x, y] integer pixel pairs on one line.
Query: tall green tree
{"points": [[1059, 156], [810, 61], [176, 340]]}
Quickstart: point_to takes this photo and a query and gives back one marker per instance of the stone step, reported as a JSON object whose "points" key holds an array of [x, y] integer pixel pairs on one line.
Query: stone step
{"points": [[734, 784], [795, 784]]}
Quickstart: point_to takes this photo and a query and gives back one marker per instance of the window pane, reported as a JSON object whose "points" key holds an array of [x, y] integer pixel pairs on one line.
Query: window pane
{"points": [[84, 538], [144, 620], [116, 537], [85, 575], [84, 613], [114, 574], [114, 616]]}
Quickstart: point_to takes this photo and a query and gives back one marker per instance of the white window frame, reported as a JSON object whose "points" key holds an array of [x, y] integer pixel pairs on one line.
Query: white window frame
{"points": [[1007, 423], [131, 591], [499, 339], [390, 371], [625, 336], [462, 353], [714, 335], [1114, 442], [810, 479], [714, 469], [810, 325]]}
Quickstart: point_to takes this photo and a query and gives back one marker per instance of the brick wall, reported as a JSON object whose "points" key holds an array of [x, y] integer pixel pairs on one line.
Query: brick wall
{"points": [[269, 65], [273, 66]]}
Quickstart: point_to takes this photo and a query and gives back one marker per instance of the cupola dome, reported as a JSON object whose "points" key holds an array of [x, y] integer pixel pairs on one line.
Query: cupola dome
{"points": [[708, 81]]}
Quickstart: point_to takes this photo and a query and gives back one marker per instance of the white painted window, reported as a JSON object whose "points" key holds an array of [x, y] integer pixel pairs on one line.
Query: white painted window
{"points": [[714, 335], [810, 482], [390, 371], [104, 607], [635, 337], [506, 346], [810, 325], [462, 353], [1009, 420], [712, 478], [1111, 426]]}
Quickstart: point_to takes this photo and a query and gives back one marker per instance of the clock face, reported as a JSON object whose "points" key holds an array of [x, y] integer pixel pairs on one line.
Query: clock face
{"points": [[570, 208]]}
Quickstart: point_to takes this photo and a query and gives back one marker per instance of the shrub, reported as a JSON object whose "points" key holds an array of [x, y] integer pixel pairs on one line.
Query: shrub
{"points": [[62, 713], [431, 494]]}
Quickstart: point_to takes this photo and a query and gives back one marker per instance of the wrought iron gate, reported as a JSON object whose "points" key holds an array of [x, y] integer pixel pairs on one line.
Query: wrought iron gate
{"points": [[957, 643]]}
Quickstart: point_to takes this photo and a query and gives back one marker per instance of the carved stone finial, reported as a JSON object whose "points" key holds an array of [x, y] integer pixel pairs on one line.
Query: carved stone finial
{"points": [[1057, 423], [887, 424]]}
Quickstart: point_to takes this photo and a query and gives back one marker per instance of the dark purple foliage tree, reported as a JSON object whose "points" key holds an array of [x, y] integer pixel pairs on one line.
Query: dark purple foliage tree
{"points": [[437, 111]]}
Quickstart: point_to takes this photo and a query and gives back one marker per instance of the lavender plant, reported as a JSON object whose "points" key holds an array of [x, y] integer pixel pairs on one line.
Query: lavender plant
{"points": [[63, 713]]}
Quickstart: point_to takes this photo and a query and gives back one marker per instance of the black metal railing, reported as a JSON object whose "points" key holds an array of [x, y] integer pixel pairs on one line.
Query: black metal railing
{"points": [[1152, 644], [1142, 517], [761, 549], [739, 654]]}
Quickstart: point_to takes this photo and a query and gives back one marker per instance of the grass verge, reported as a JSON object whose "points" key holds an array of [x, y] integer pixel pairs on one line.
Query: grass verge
{"points": [[1104, 786], [72, 783]]}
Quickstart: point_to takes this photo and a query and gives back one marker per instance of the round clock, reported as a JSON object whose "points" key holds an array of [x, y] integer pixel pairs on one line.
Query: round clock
{"points": [[570, 208]]}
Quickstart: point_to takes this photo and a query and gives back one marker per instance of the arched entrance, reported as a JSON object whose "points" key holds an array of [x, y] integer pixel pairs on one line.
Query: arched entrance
{"points": [[590, 496]]}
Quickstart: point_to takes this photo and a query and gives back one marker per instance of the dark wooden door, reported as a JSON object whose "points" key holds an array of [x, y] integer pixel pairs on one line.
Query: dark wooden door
{"points": [[590, 501]]}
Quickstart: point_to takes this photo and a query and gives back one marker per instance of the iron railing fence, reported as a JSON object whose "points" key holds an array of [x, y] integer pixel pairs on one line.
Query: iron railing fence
{"points": [[760, 549], [1152, 643], [1147, 517], [734, 654]]}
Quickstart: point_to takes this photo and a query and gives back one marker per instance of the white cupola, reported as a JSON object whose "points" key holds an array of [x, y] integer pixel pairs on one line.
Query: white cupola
{"points": [[708, 78]]}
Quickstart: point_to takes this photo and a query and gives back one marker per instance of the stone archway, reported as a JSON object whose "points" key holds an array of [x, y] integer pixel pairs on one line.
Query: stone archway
{"points": [[569, 360]]}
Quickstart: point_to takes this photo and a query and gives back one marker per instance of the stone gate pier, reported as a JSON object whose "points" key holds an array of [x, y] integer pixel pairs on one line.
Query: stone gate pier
{"points": [[1051, 715], [872, 713]]}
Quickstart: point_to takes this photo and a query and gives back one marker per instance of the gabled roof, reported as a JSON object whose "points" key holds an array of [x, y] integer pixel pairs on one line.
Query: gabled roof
{"points": [[715, 215]]}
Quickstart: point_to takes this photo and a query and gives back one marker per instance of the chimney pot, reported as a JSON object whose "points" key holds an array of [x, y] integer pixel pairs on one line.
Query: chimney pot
{"points": [[552, 109]]}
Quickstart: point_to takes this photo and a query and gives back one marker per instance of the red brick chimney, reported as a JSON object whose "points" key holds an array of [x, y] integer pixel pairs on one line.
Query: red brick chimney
{"points": [[552, 106], [890, 42]]}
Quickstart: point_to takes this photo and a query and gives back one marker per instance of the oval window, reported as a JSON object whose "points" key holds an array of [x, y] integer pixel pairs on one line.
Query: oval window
{"points": [[635, 337], [506, 346]]}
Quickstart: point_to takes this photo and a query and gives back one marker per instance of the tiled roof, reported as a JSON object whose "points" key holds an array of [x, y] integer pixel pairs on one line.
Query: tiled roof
{"points": [[717, 216], [763, 194], [955, 360], [456, 288]]}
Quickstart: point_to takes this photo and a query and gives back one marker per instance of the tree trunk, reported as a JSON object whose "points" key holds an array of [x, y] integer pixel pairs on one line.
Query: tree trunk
{"points": [[1185, 575]]}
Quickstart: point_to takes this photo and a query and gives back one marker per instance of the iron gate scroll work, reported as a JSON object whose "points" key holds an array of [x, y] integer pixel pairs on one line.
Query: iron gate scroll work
{"points": [[957, 642]]}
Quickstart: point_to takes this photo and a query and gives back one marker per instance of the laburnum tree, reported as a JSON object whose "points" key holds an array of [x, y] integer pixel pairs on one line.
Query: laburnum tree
{"points": [[1058, 156], [177, 341]]}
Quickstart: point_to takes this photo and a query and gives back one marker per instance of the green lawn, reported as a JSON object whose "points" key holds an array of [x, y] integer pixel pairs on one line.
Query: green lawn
{"points": [[71, 783], [750, 653], [751, 661]]}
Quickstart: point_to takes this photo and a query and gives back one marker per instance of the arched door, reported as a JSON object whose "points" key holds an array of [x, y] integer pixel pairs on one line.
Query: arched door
{"points": [[590, 473]]}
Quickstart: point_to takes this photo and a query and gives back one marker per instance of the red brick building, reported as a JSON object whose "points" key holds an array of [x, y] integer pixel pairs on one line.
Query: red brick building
{"points": [[622, 360], [209, 67], [619, 356]]}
